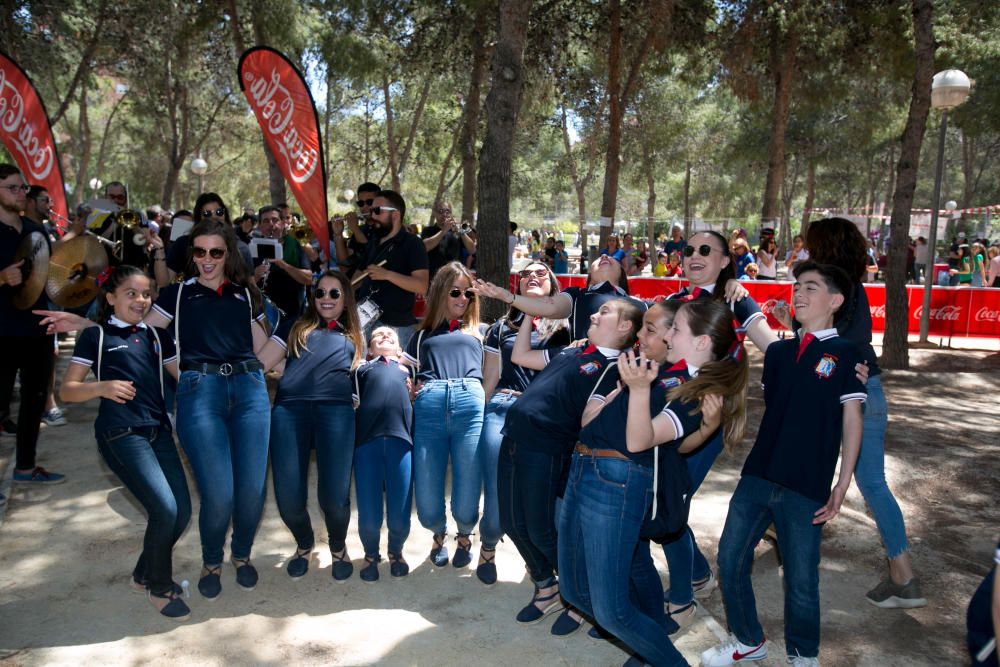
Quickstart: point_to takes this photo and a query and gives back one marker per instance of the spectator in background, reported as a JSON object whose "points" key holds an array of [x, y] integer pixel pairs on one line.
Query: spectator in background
{"points": [[954, 258], [511, 244], [613, 250], [630, 257], [978, 265], [641, 257], [921, 258], [767, 259], [660, 268], [549, 253], [676, 242], [993, 272], [675, 267], [742, 255], [560, 263], [798, 253], [750, 273]]}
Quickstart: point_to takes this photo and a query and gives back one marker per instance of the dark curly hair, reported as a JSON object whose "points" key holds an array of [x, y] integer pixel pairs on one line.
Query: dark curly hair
{"points": [[839, 242]]}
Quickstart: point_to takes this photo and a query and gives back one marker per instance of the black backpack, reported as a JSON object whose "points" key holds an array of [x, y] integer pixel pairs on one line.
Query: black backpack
{"points": [[668, 515]]}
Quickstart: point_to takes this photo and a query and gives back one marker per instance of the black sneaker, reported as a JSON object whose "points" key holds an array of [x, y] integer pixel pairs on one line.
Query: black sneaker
{"points": [[246, 574], [888, 595]]}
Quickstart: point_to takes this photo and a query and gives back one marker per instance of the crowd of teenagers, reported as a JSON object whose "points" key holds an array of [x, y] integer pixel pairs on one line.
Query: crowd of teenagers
{"points": [[584, 419]]}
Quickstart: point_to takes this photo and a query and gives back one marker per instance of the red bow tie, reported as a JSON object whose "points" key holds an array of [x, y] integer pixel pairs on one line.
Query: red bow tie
{"points": [[332, 324], [454, 324]]}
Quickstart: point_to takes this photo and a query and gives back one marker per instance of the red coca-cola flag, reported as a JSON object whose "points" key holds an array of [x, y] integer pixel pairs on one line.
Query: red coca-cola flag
{"points": [[284, 107], [25, 131]]}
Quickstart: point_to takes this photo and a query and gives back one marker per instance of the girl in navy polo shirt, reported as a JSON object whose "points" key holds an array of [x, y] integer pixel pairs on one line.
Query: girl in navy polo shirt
{"points": [[612, 479], [503, 381], [223, 412], [384, 457], [605, 281], [132, 428], [540, 431], [447, 353], [313, 408]]}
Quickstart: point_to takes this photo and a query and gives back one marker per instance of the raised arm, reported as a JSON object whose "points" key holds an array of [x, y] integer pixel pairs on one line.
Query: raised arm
{"points": [[522, 354], [553, 307]]}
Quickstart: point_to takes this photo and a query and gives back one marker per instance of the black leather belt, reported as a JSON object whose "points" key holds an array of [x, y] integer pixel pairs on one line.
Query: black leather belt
{"points": [[224, 369]]}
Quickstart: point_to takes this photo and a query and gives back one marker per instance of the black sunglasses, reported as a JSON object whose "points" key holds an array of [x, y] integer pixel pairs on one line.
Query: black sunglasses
{"points": [[218, 213], [365, 202], [377, 210], [704, 250], [537, 273], [334, 293], [216, 253], [455, 293]]}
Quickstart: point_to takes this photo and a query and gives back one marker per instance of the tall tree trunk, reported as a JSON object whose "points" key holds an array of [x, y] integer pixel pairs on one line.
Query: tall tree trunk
{"points": [[810, 194], [687, 198], [441, 185], [895, 351], [473, 104], [101, 150], [503, 104], [783, 50], [84, 142], [390, 136], [415, 124]]}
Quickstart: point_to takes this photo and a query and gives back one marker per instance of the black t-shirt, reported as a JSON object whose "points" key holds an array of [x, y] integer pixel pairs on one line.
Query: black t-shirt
{"points": [[446, 353], [13, 321], [546, 418], [177, 254], [588, 301], [449, 249], [499, 342], [322, 371], [799, 438], [607, 430], [404, 253], [854, 322], [215, 326], [129, 353], [384, 408]]}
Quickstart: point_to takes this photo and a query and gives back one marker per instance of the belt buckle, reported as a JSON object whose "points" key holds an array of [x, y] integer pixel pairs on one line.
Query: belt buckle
{"points": [[226, 369]]}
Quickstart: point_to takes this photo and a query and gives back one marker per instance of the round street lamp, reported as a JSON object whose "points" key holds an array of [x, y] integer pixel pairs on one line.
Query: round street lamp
{"points": [[198, 167], [948, 89], [95, 184]]}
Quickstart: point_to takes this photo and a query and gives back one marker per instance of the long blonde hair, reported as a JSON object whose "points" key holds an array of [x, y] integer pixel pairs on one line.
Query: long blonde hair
{"points": [[311, 320], [437, 296], [728, 372]]}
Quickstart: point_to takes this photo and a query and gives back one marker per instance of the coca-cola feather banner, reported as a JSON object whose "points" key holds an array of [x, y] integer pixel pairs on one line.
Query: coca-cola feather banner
{"points": [[284, 107], [25, 131]]}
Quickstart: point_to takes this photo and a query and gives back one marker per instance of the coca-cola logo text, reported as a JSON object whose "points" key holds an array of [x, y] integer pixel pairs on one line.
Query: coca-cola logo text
{"points": [[878, 312], [276, 107], [946, 313], [984, 314], [22, 135]]}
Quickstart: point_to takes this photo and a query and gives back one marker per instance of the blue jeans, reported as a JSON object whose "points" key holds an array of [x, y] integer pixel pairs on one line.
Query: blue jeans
{"points": [[223, 424], [385, 462], [448, 418], [528, 486], [489, 455], [147, 463], [755, 504], [685, 561], [296, 428], [603, 507], [870, 472]]}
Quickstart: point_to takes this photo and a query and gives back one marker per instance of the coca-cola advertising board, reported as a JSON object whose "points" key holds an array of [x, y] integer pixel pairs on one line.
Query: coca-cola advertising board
{"points": [[283, 105], [27, 135]]}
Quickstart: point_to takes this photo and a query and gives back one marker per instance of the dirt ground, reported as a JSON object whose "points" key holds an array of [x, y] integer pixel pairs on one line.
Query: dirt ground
{"points": [[66, 553]]}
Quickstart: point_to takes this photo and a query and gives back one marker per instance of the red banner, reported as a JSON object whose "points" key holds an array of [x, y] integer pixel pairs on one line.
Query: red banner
{"points": [[25, 131], [284, 107]]}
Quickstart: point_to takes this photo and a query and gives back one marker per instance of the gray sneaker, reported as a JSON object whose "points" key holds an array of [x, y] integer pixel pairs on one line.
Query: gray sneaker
{"points": [[54, 417], [888, 595]]}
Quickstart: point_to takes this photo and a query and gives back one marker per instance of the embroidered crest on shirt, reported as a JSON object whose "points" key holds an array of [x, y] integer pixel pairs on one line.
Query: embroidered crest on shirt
{"points": [[590, 368], [826, 366], [670, 383]]}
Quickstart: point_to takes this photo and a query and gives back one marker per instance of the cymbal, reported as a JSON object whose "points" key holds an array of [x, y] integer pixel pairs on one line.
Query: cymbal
{"points": [[73, 271], [34, 250]]}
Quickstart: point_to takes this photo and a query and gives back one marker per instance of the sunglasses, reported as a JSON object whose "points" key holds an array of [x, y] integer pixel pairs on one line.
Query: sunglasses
{"points": [[377, 210], [455, 293], [334, 293], [537, 273], [218, 213], [14, 189], [365, 202], [704, 250], [216, 253], [444, 211]]}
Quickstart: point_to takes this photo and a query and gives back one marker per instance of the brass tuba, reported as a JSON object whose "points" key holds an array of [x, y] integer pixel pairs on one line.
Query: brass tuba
{"points": [[302, 232]]}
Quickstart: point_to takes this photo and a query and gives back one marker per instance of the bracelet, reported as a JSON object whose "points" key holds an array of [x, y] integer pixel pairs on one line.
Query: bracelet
{"points": [[513, 298]]}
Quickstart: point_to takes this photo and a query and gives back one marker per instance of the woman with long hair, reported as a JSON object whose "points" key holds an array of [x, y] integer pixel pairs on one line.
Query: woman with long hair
{"points": [[132, 428], [446, 353], [314, 409], [503, 382], [838, 241], [767, 260], [611, 486]]}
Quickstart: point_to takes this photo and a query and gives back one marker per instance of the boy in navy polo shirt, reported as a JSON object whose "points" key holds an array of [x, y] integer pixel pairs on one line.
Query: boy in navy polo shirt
{"points": [[812, 413]]}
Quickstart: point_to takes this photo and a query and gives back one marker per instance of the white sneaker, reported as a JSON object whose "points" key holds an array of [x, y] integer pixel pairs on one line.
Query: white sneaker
{"points": [[54, 417], [733, 651], [799, 661]]}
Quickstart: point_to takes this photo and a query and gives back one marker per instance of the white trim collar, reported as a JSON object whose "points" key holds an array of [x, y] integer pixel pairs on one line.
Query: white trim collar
{"points": [[609, 352], [822, 334], [124, 325]]}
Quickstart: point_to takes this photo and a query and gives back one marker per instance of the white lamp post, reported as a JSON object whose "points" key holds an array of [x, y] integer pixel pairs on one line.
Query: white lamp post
{"points": [[948, 89], [198, 167], [95, 185]]}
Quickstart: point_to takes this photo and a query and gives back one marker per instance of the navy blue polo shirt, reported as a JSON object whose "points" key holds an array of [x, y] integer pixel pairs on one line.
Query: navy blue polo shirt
{"points": [[322, 371], [499, 342], [13, 321], [384, 408], [798, 441], [444, 354], [546, 418], [215, 326], [745, 310], [587, 301], [854, 322], [404, 253], [607, 430], [129, 353]]}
